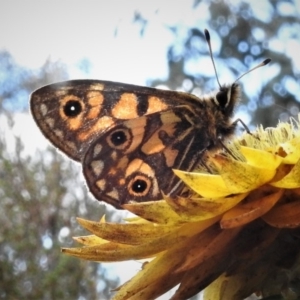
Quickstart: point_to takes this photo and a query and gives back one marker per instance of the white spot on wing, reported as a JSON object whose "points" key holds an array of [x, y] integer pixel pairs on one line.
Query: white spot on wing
{"points": [[97, 166], [97, 149], [49, 122], [43, 109], [97, 86], [113, 194], [59, 133]]}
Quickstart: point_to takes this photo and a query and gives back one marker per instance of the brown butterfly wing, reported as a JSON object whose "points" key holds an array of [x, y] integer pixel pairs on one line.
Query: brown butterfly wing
{"points": [[134, 159], [72, 114]]}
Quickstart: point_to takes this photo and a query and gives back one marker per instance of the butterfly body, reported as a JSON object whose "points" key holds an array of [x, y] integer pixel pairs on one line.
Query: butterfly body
{"points": [[129, 138]]}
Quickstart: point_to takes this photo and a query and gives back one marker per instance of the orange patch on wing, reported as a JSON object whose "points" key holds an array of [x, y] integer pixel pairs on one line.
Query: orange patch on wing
{"points": [[112, 171], [170, 156], [126, 107], [102, 124], [155, 104], [74, 123], [95, 100], [139, 166], [154, 144], [137, 128], [169, 118], [123, 162], [101, 184], [122, 181]]}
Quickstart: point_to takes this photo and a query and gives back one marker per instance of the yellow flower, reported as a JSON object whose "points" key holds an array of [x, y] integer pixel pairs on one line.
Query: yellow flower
{"points": [[236, 233]]}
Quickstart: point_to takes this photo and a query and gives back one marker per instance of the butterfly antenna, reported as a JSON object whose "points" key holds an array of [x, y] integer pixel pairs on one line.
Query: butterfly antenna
{"points": [[263, 63], [207, 37]]}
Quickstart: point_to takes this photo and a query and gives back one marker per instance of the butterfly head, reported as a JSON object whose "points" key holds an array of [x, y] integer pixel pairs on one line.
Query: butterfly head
{"points": [[226, 98], [228, 95]]}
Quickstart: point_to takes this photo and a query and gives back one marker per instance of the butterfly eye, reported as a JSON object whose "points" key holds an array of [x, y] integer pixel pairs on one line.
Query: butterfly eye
{"points": [[139, 186], [119, 139], [222, 98], [72, 108]]}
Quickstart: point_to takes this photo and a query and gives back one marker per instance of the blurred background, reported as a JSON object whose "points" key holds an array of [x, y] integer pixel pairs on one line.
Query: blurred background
{"points": [[153, 43]]}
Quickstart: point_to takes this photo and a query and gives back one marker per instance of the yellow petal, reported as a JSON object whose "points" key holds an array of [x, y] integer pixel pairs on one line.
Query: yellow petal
{"points": [[107, 252], [255, 157], [196, 209], [110, 252], [131, 234], [166, 262], [90, 240], [155, 211], [291, 180], [206, 185], [156, 289], [291, 150], [240, 177], [216, 289], [153, 272]]}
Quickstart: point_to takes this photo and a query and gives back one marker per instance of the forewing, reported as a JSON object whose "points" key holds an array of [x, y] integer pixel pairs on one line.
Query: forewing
{"points": [[72, 114]]}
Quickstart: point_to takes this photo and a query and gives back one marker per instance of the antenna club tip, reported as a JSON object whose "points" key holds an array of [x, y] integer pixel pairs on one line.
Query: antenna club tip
{"points": [[266, 61], [207, 35]]}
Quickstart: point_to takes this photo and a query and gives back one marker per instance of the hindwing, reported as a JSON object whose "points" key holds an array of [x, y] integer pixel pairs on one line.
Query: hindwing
{"points": [[134, 159]]}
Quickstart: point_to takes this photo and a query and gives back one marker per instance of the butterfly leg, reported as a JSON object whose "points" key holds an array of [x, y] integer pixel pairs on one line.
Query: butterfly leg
{"points": [[243, 124], [245, 127], [226, 148]]}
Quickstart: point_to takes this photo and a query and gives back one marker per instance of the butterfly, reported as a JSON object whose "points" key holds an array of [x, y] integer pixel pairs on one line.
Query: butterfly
{"points": [[129, 138]]}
